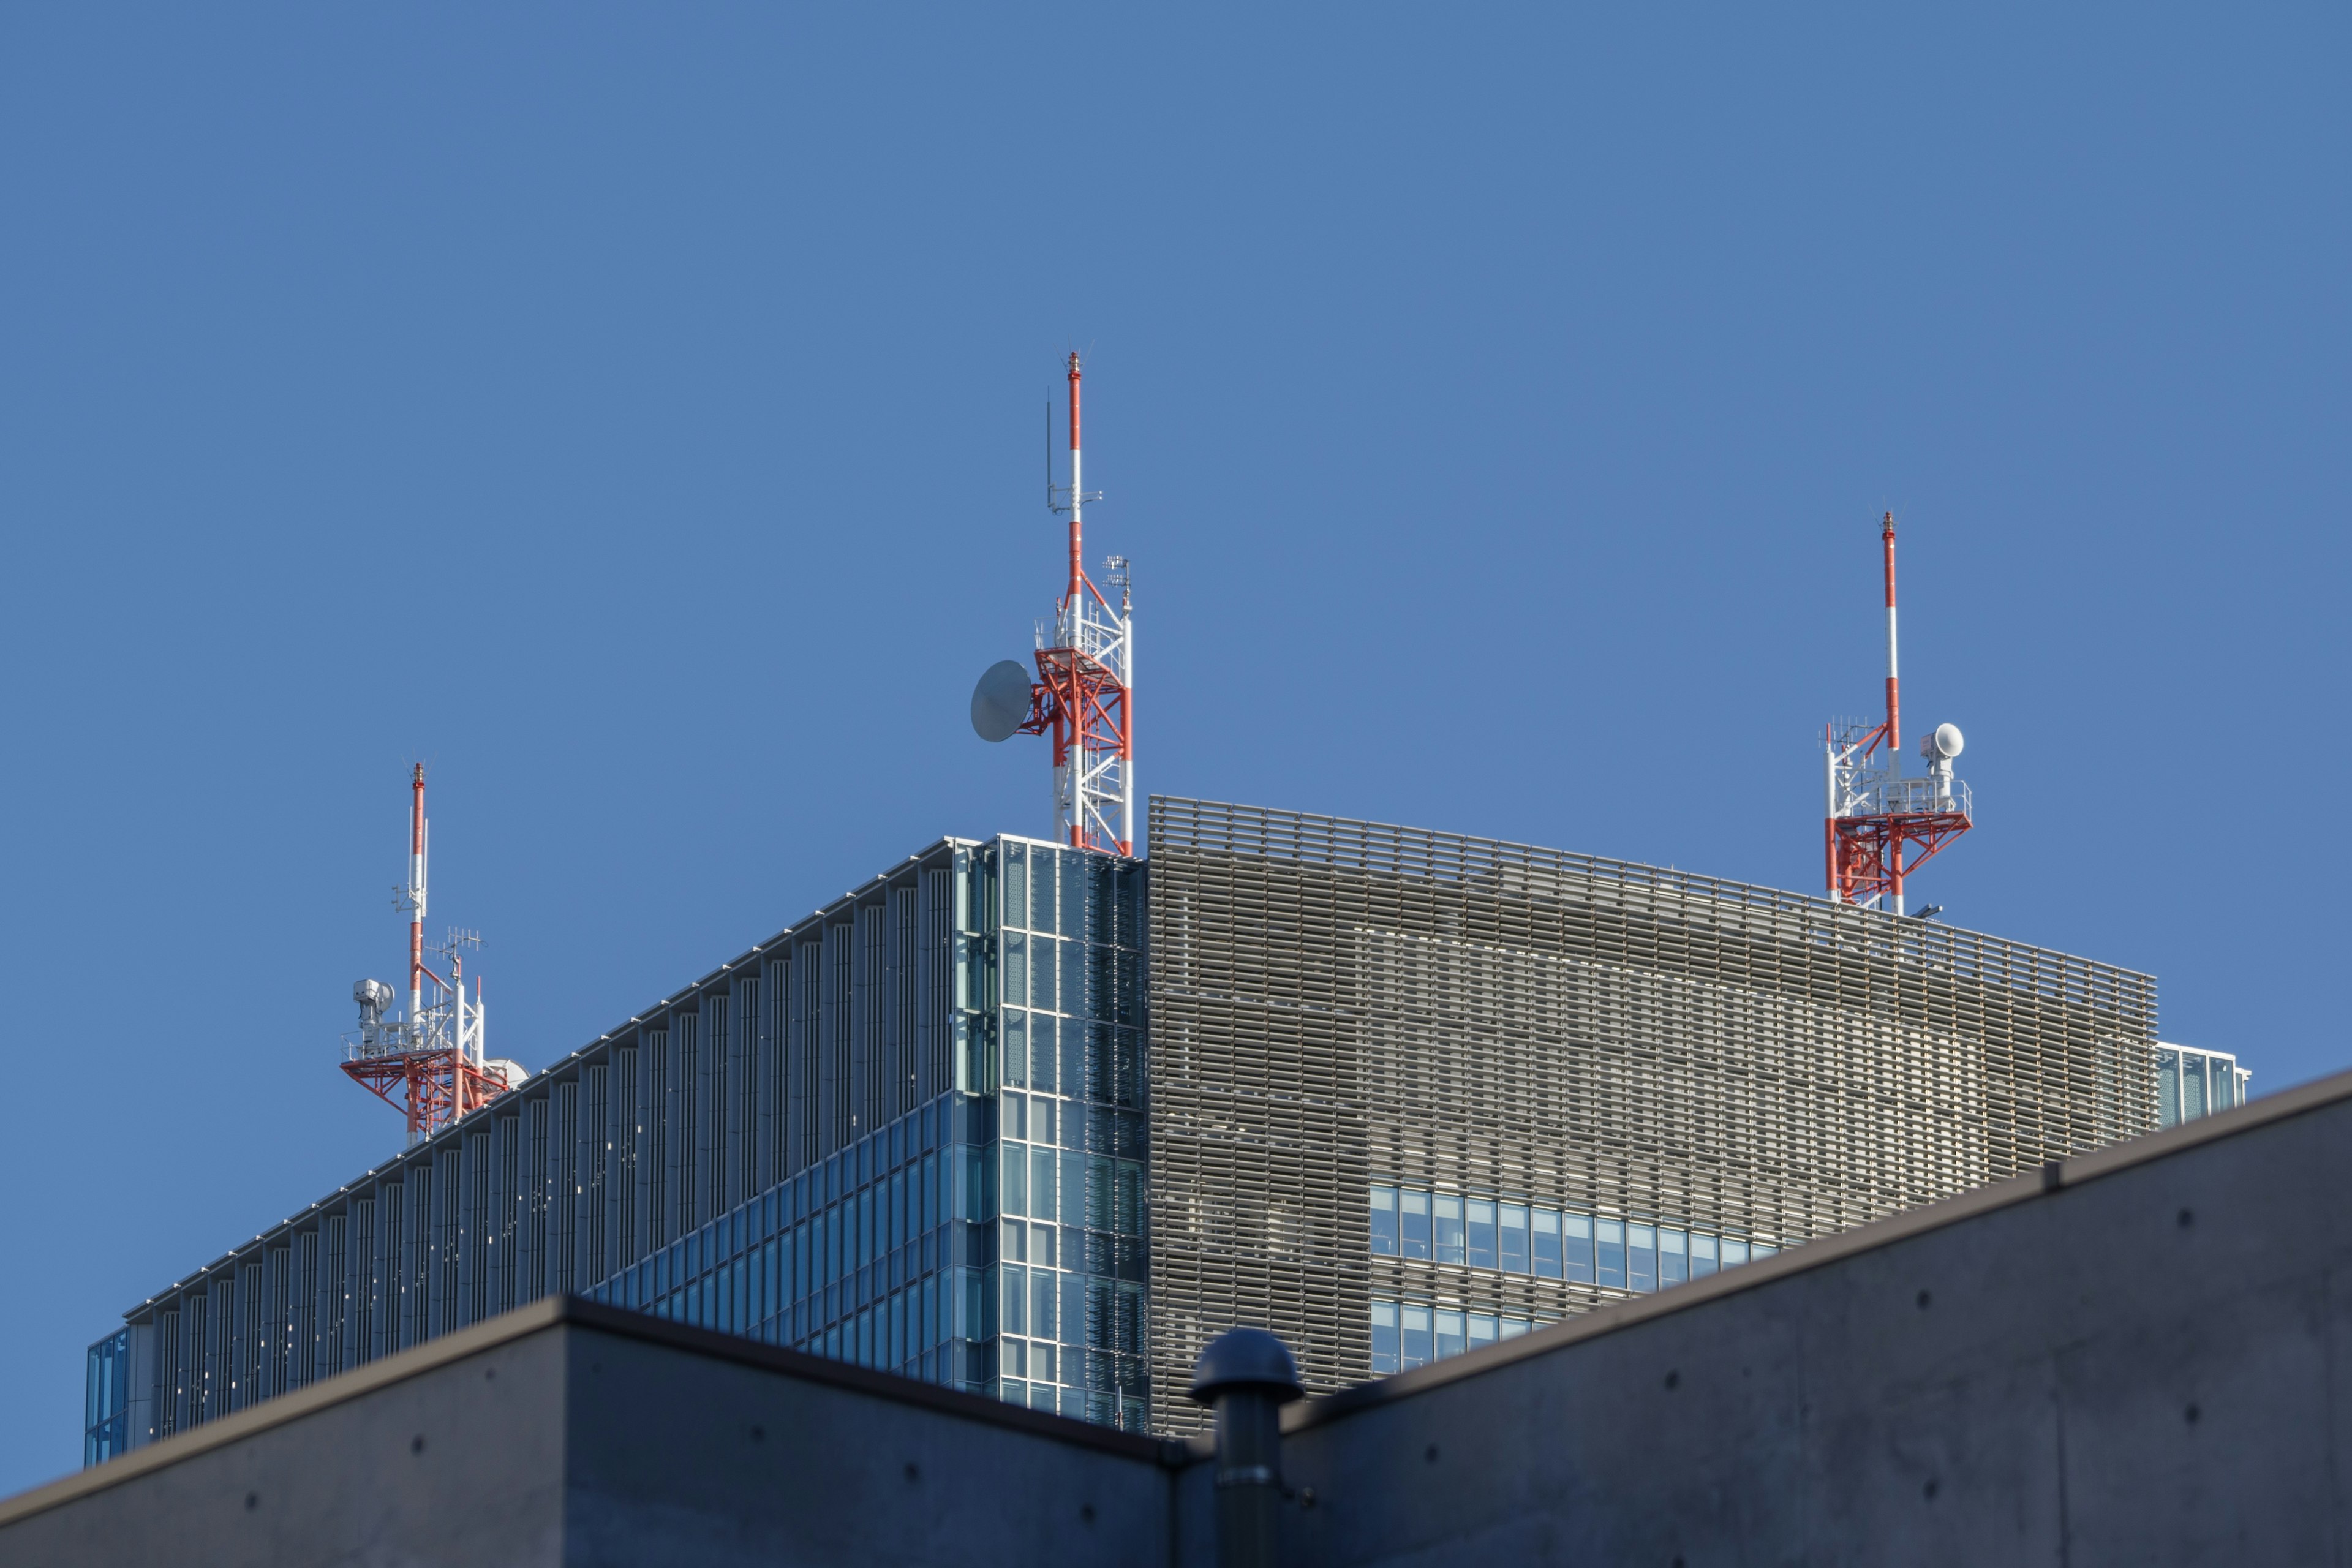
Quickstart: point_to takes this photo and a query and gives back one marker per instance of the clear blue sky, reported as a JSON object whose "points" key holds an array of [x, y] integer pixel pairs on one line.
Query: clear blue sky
{"points": [[635, 414]]}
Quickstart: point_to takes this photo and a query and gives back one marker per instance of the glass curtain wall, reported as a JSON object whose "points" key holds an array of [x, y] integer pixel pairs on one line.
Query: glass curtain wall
{"points": [[907, 1132]]}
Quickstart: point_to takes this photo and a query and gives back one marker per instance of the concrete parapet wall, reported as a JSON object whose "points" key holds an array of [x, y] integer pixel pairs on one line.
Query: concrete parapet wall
{"points": [[2136, 1357]]}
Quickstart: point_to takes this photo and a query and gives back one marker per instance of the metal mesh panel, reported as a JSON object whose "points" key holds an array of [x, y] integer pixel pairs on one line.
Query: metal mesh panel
{"points": [[1335, 1004]]}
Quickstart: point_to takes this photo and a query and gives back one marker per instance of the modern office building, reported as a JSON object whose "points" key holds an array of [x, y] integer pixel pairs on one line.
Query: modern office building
{"points": [[1036, 1121], [2191, 1083]]}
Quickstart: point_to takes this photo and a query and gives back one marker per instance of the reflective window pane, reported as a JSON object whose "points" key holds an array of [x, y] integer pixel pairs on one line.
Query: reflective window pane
{"points": [[1413, 1209], [1702, 1254], [1485, 1329], [1450, 1333], [1734, 1253], [1514, 1225], [1414, 1333], [1545, 1240], [1641, 1257], [1445, 1223], [1478, 1224], [1608, 1249], [1576, 1246], [1384, 1221], [1674, 1258], [1384, 1338]]}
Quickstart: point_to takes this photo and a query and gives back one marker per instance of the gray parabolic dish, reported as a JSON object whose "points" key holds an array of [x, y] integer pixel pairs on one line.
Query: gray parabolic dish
{"points": [[1001, 701]]}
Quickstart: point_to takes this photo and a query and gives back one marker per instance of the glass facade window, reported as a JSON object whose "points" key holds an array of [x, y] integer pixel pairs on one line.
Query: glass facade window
{"points": [[106, 1425], [1478, 1224], [2191, 1083], [1576, 1243], [1674, 1257], [1414, 1210], [1546, 1242], [1446, 1225], [1417, 1336], [1451, 1340], [1407, 1334], [1384, 1339], [1641, 1257], [1608, 1246]]}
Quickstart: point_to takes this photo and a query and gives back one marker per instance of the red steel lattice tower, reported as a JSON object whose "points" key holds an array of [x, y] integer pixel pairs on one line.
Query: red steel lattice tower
{"points": [[1880, 827], [1083, 695], [428, 1065]]}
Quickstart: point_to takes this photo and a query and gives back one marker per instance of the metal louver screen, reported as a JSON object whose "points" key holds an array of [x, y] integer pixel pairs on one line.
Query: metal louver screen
{"points": [[1336, 1004]]}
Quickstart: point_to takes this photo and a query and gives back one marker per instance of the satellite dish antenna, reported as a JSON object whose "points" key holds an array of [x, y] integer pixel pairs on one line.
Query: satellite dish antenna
{"points": [[1947, 741], [999, 703]]}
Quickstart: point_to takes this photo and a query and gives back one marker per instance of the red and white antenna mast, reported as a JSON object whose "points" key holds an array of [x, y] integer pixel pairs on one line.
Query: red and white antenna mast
{"points": [[1084, 692], [429, 1064], [1882, 827]]}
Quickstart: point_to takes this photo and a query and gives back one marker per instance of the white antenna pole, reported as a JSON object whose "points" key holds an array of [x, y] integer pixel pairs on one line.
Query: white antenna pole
{"points": [[416, 899], [1073, 823]]}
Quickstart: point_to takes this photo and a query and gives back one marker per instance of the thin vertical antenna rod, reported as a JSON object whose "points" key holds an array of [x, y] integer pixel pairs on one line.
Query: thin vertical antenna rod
{"points": [[1077, 493], [416, 897], [1893, 713], [1893, 702], [1073, 614]]}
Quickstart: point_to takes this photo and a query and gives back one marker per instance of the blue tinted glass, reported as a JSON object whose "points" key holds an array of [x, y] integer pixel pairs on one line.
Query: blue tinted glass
{"points": [[1041, 1075], [1384, 1225], [1514, 1237], [1449, 1334], [1384, 1338], [1483, 1329], [1608, 1249], [1040, 891], [1576, 1245], [1041, 973], [1734, 1253], [1014, 976], [1073, 917], [1641, 1257], [1546, 1243], [1674, 1258], [1014, 1056], [1413, 1211], [1074, 975], [1013, 1319], [2192, 1085], [1445, 1225], [1014, 1190], [1478, 1224], [1415, 1336], [1041, 1305], [1702, 1254], [1016, 879], [1073, 1190], [1041, 1183]]}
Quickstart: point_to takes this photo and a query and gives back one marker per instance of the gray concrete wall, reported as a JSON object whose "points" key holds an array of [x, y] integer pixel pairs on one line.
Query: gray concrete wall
{"points": [[565, 1432], [2139, 1357]]}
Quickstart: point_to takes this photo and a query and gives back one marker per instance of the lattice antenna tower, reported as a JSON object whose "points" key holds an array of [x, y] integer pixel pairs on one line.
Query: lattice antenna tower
{"points": [[1880, 827], [1083, 693], [428, 1063]]}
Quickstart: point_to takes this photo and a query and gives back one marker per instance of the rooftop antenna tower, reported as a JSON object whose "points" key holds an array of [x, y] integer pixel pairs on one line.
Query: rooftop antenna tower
{"points": [[1083, 693], [1883, 827], [427, 1063]]}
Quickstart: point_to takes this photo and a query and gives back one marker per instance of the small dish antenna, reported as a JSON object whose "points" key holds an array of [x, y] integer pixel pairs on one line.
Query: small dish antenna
{"points": [[999, 703]]}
